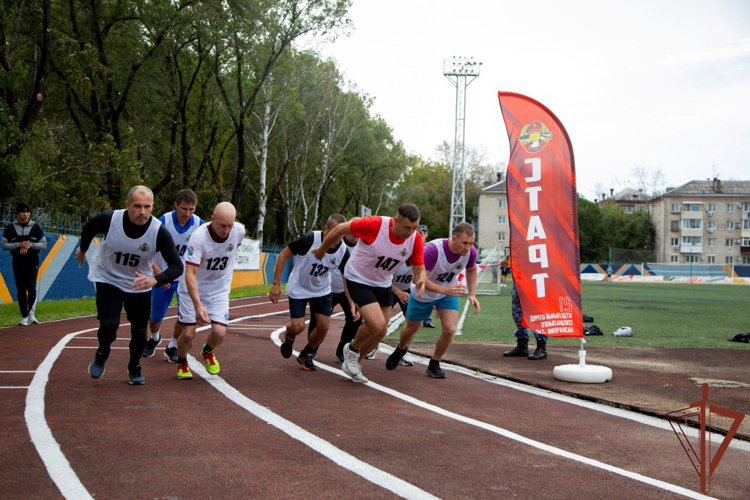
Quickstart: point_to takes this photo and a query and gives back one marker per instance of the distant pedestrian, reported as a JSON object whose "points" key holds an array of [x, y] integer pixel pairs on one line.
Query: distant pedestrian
{"points": [[121, 269], [25, 239], [522, 333]]}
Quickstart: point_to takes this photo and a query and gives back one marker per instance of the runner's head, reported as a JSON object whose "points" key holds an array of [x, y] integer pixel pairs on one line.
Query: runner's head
{"points": [[222, 219], [139, 204], [333, 221], [406, 221], [184, 204], [462, 239]]}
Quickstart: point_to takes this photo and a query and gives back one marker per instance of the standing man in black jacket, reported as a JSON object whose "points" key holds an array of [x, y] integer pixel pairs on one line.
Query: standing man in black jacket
{"points": [[121, 269], [24, 239]]}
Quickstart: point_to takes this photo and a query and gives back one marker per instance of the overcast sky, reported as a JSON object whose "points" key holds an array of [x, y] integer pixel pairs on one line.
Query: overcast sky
{"points": [[657, 84]]}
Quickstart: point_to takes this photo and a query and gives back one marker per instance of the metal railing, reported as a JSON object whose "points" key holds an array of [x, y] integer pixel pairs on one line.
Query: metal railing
{"points": [[50, 222]]}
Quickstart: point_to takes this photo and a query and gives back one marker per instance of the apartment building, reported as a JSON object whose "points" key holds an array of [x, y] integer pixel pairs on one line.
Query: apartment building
{"points": [[706, 222], [491, 217]]}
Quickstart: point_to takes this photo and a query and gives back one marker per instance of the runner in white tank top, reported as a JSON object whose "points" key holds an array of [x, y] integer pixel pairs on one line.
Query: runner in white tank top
{"points": [[384, 244], [203, 293], [445, 260], [309, 283]]}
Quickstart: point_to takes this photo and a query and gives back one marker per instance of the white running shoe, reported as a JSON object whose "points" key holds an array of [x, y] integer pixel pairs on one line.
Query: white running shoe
{"points": [[24, 321], [32, 319], [372, 354], [351, 366]]}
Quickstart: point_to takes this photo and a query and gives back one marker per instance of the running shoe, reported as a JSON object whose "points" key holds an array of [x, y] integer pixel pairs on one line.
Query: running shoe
{"points": [[24, 321], [171, 354], [372, 354], [96, 367], [434, 370], [351, 366], [395, 358], [32, 319], [148, 350], [136, 376], [183, 372], [286, 346], [405, 362], [212, 364], [340, 358], [306, 362]]}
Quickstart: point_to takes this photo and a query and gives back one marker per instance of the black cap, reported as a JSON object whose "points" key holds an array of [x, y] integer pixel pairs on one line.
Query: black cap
{"points": [[23, 207]]}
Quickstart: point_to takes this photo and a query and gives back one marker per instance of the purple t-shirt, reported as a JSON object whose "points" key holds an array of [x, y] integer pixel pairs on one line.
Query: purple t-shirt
{"points": [[431, 255]]}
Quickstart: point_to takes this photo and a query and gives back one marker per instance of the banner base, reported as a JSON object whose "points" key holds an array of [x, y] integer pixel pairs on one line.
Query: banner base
{"points": [[583, 373]]}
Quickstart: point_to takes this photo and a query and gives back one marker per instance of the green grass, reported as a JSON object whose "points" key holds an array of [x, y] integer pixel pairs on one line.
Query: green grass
{"points": [[673, 315], [48, 310]]}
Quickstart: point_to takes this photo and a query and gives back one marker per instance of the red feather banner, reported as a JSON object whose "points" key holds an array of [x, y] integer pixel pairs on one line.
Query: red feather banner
{"points": [[543, 209]]}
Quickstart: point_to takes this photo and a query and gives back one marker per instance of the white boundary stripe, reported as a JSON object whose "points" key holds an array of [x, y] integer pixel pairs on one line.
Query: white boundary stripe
{"points": [[14, 387], [54, 460], [18, 371], [460, 326], [512, 435], [336, 455]]}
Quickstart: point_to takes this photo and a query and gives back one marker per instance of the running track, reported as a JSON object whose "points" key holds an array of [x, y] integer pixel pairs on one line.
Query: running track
{"points": [[264, 428]]}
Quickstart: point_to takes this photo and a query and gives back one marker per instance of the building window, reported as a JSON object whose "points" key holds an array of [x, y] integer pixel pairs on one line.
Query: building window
{"points": [[746, 207], [729, 259], [692, 223], [674, 241], [712, 207], [674, 258], [675, 207], [730, 225], [692, 258], [501, 203], [500, 236], [730, 207], [746, 242], [628, 208], [692, 240], [711, 259], [746, 224], [691, 207], [674, 225], [711, 225], [501, 219], [730, 242], [712, 242], [746, 260]]}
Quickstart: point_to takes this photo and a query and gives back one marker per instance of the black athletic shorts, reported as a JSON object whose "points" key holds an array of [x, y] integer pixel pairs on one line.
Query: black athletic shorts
{"points": [[318, 305], [366, 294]]}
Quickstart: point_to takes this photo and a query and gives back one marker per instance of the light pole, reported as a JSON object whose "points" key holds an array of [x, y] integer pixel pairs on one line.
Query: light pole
{"points": [[461, 71]]}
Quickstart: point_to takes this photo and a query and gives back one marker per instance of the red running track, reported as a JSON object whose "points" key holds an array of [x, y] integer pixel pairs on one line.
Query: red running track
{"points": [[264, 428]]}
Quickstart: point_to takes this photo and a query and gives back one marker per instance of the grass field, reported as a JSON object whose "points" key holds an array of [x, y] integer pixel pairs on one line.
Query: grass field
{"points": [[58, 309], [674, 315]]}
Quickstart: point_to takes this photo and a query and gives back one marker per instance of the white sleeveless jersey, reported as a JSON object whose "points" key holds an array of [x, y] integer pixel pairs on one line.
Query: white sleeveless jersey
{"points": [[312, 277], [443, 273], [118, 257], [180, 239], [375, 264], [215, 261], [402, 277]]}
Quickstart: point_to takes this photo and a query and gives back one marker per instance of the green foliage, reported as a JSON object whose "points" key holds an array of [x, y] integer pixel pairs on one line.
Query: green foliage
{"points": [[603, 226]]}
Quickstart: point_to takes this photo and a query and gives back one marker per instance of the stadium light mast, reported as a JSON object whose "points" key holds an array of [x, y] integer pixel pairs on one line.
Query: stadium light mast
{"points": [[461, 71]]}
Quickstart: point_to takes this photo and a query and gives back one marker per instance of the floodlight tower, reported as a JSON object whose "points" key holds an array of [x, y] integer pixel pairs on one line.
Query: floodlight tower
{"points": [[461, 71]]}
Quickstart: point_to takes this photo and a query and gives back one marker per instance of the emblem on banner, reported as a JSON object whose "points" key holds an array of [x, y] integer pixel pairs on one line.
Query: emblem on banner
{"points": [[534, 136]]}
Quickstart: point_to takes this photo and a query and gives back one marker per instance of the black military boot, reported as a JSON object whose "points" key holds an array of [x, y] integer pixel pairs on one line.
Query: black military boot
{"points": [[521, 349], [541, 350]]}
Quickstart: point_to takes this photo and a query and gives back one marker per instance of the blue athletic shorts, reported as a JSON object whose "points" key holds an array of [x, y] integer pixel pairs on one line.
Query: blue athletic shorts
{"points": [[420, 311], [160, 300]]}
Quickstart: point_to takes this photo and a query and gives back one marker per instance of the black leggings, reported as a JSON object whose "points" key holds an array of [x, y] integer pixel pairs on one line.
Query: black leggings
{"points": [[25, 277], [109, 303], [350, 327]]}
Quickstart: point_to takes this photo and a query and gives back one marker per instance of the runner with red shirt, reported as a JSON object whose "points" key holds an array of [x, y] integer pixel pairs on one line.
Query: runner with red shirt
{"points": [[384, 244]]}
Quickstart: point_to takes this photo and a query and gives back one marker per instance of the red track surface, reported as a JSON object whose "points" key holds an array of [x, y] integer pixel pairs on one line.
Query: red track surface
{"points": [[185, 439]]}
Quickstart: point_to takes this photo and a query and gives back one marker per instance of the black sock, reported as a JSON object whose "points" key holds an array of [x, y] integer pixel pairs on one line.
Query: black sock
{"points": [[434, 362], [181, 360], [208, 348], [307, 350], [351, 348]]}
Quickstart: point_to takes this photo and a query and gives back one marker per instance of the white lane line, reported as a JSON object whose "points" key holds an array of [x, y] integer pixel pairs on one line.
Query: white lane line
{"points": [[14, 387], [336, 455], [18, 371], [460, 326], [512, 435], [343, 459], [54, 460]]}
